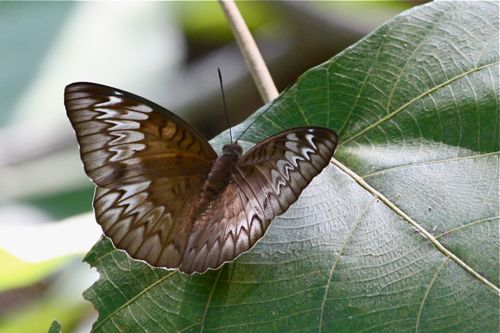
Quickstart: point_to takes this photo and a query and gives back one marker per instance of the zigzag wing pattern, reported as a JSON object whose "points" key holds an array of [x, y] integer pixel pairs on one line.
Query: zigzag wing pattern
{"points": [[123, 136], [148, 165], [267, 180]]}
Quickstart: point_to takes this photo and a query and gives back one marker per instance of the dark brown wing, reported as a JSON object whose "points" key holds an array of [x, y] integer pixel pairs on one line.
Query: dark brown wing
{"points": [[148, 166], [123, 136], [268, 179]]}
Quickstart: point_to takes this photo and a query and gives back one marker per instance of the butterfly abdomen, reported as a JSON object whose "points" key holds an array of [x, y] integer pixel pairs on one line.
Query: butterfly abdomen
{"points": [[222, 169]]}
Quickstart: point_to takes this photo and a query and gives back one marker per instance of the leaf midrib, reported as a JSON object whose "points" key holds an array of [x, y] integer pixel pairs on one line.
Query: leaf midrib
{"points": [[449, 254]]}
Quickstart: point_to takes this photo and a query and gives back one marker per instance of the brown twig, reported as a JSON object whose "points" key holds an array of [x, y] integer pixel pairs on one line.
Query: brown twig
{"points": [[251, 53]]}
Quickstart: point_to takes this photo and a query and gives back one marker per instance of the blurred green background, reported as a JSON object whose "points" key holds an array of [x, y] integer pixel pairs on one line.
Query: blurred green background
{"points": [[165, 51]]}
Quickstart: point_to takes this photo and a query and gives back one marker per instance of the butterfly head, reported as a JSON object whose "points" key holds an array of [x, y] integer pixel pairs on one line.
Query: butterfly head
{"points": [[233, 150]]}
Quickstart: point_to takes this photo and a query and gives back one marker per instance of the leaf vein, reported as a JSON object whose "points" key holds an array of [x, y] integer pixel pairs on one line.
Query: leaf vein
{"points": [[127, 303], [209, 300], [410, 102], [464, 226], [427, 290], [330, 275], [426, 163]]}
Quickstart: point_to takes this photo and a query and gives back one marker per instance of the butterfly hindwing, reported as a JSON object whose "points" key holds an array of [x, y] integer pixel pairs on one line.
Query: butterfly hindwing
{"points": [[147, 219], [266, 181]]}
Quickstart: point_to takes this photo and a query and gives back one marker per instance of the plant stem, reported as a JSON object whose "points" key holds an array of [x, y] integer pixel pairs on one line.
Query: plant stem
{"points": [[253, 57]]}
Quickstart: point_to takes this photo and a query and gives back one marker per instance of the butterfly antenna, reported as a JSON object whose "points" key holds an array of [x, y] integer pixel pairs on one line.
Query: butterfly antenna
{"points": [[260, 115], [225, 106]]}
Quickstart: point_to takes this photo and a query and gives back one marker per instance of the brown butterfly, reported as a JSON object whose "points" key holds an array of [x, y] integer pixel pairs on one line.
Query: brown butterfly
{"points": [[165, 197]]}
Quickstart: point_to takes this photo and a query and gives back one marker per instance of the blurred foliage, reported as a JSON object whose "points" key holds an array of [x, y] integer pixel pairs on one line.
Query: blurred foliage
{"points": [[20, 22], [16, 272], [54, 297], [205, 26], [204, 21], [37, 315], [65, 203], [355, 11]]}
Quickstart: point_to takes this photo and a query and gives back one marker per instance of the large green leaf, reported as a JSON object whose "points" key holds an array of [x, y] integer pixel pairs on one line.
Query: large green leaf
{"points": [[400, 233]]}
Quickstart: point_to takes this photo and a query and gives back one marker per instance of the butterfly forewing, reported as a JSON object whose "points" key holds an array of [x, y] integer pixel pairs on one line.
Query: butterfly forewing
{"points": [[148, 166], [152, 174], [123, 136]]}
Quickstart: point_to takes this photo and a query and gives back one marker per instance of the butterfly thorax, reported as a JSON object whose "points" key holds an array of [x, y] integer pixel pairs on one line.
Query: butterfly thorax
{"points": [[222, 168], [233, 150]]}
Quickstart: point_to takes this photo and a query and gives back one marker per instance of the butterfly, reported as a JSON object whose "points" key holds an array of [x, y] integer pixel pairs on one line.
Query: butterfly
{"points": [[164, 195]]}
